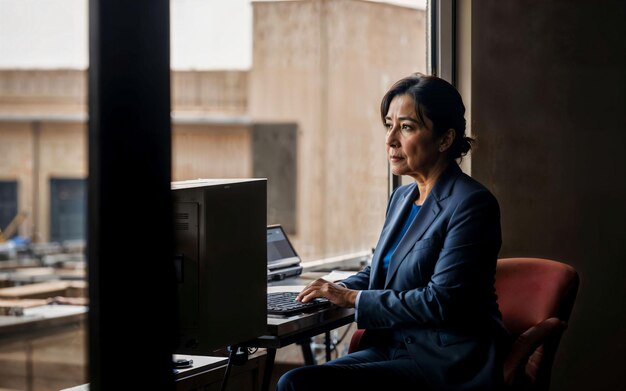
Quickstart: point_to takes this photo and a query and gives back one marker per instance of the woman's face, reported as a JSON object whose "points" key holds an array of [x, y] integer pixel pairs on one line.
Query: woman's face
{"points": [[412, 148]]}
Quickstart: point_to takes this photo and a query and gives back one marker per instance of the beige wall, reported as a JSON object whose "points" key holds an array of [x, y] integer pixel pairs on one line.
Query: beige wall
{"points": [[16, 164], [329, 78], [65, 91], [222, 92], [38, 91], [209, 151], [62, 154], [34, 153], [42, 136], [43, 133], [198, 151]]}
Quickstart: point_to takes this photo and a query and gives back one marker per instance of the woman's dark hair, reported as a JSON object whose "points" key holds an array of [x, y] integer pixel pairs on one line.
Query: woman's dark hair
{"points": [[438, 100]]}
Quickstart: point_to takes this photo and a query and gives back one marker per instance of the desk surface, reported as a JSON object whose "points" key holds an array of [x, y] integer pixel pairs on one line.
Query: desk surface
{"points": [[283, 326], [200, 363], [285, 330], [40, 320]]}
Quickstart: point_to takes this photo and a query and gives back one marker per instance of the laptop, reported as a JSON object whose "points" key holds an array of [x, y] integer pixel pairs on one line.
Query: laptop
{"points": [[282, 259]]}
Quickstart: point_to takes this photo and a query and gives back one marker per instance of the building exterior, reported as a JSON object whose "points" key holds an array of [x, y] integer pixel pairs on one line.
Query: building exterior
{"points": [[305, 116], [329, 78]]}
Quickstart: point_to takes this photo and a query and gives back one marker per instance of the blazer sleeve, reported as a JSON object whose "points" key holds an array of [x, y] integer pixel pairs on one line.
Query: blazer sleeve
{"points": [[461, 286], [358, 281]]}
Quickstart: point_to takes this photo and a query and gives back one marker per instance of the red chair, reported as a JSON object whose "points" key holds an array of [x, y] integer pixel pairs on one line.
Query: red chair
{"points": [[535, 297]]}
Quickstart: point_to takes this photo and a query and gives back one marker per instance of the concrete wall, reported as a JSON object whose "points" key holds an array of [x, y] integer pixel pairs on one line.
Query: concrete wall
{"points": [[221, 92], [43, 132], [211, 151], [32, 153], [548, 107], [325, 65]]}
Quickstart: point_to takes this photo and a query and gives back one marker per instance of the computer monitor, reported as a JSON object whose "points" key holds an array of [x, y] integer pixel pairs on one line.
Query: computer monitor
{"points": [[221, 251]]}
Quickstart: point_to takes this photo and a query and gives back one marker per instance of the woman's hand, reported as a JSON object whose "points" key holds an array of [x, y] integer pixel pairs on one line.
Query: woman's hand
{"points": [[335, 293]]}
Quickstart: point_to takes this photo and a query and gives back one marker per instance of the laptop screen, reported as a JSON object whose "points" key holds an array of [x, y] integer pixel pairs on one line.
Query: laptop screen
{"points": [[280, 252]]}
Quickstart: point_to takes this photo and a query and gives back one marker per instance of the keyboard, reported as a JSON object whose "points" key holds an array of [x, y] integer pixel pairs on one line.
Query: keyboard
{"points": [[284, 303]]}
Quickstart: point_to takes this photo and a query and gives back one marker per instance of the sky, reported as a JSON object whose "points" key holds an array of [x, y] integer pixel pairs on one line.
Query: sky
{"points": [[48, 34]]}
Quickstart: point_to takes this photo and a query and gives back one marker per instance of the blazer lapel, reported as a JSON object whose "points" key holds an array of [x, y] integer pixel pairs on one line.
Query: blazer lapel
{"points": [[396, 219], [425, 217]]}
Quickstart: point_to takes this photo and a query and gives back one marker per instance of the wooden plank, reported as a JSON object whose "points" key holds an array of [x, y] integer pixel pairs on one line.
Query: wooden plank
{"points": [[44, 290]]}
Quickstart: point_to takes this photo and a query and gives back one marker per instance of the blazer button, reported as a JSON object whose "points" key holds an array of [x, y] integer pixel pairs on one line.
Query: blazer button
{"points": [[408, 340]]}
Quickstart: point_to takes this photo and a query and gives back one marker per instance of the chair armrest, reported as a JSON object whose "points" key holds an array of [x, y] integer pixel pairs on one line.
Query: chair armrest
{"points": [[356, 341], [526, 344]]}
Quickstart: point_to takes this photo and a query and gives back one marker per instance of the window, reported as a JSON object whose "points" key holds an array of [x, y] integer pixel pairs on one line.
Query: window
{"points": [[287, 90], [67, 209], [8, 205], [301, 110], [42, 148]]}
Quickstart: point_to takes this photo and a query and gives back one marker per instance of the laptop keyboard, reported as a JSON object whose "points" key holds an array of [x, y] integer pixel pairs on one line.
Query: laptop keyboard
{"points": [[284, 303]]}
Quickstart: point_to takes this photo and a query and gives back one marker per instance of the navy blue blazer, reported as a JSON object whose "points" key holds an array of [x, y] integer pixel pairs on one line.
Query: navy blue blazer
{"points": [[438, 294]]}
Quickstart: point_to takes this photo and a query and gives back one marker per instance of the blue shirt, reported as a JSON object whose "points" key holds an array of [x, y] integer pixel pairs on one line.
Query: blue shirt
{"points": [[400, 235], [392, 248]]}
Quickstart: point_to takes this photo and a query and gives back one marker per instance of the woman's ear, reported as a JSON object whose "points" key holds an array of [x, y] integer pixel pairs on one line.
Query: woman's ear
{"points": [[446, 140]]}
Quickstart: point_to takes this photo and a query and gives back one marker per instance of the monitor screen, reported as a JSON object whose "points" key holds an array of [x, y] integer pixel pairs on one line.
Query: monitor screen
{"points": [[280, 252]]}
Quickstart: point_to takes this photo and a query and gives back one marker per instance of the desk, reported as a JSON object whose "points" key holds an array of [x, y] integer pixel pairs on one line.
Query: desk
{"points": [[43, 290], [200, 364], [41, 320], [207, 372], [283, 331]]}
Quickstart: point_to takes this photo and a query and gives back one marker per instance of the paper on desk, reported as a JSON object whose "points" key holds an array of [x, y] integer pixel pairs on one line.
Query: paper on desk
{"points": [[338, 275], [285, 288]]}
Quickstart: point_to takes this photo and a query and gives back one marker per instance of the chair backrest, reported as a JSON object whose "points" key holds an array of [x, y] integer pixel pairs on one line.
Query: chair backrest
{"points": [[535, 297]]}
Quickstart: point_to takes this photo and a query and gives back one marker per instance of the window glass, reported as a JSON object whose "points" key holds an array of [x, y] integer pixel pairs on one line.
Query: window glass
{"points": [[67, 209], [43, 171], [287, 90], [8, 209], [299, 108]]}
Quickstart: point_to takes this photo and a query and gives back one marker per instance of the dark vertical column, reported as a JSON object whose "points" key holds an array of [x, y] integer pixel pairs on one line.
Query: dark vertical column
{"points": [[274, 156], [132, 323]]}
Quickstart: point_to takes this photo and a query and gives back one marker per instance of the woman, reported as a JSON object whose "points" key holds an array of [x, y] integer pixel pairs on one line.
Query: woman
{"points": [[428, 301]]}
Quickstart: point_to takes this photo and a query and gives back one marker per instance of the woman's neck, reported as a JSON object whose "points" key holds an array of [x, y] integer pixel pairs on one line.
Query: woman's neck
{"points": [[426, 182]]}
